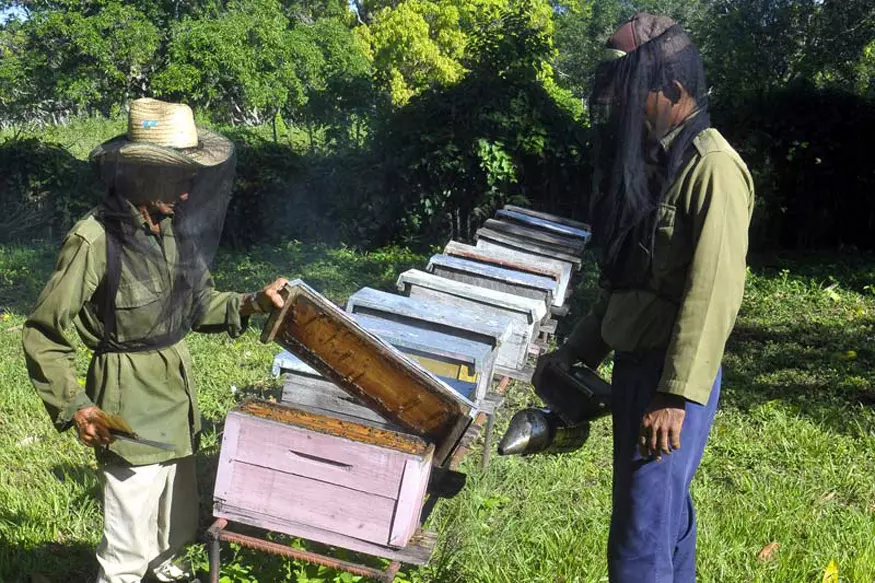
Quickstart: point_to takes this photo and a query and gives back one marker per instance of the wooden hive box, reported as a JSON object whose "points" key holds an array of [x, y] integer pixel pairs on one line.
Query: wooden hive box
{"points": [[525, 314], [560, 271], [369, 368], [465, 364], [502, 279], [569, 245], [491, 239], [477, 325], [546, 225], [549, 217], [335, 481], [305, 388]]}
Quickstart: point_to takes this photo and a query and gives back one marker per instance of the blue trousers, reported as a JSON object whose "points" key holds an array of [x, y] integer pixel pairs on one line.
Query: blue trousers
{"points": [[653, 522]]}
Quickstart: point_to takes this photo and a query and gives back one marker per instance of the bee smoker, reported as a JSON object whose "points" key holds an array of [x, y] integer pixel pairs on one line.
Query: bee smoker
{"points": [[574, 398], [535, 430], [577, 395]]}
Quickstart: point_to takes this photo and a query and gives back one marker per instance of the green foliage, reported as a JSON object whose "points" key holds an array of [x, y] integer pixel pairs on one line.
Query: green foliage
{"points": [[808, 150], [72, 61], [340, 95], [416, 44], [245, 64], [456, 153], [866, 71]]}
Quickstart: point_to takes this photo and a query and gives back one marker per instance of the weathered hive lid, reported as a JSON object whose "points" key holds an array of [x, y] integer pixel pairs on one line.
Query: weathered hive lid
{"points": [[286, 361], [511, 276], [336, 346], [535, 309], [442, 317], [553, 269], [528, 245], [544, 224], [570, 245], [549, 217], [427, 342]]}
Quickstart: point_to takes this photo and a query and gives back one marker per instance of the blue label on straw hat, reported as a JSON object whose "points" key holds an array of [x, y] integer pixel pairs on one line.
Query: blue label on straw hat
{"points": [[150, 123]]}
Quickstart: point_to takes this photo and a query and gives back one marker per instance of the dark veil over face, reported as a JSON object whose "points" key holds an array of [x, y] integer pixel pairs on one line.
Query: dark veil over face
{"points": [[168, 274], [632, 170]]}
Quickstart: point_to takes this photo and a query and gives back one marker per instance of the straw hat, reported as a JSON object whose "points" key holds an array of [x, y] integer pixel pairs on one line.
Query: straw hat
{"points": [[164, 134]]}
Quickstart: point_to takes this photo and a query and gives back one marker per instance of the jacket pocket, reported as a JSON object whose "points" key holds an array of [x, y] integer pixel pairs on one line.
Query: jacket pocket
{"points": [[138, 309], [665, 240]]}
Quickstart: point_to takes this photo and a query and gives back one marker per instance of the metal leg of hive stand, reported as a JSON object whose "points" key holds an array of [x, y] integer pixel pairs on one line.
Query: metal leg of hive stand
{"points": [[215, 549], [487, 443], [217, 533], [391, 571]]}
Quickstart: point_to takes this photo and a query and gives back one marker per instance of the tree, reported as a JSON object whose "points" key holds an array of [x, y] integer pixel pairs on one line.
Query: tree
{"points": [[244, 65], [340, 94], [68, 61], [416, 44]]}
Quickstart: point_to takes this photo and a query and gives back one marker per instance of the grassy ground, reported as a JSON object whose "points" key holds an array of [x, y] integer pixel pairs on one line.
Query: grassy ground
{"points": [[791, 458]]}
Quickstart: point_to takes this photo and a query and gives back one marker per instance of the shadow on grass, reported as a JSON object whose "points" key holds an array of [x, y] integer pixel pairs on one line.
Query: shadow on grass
{"points": [[808, 366], [852, 270], [46, 562], [82, 476]]}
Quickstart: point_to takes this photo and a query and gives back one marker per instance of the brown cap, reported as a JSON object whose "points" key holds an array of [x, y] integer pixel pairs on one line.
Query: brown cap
{"points": [[639, 29]]}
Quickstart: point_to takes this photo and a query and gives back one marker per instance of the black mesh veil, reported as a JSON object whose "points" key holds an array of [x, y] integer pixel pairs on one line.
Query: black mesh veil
{"points": [[632, 167], [165, 277]]}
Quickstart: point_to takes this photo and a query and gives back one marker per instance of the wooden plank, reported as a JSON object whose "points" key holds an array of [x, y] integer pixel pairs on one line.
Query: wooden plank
{"points": [[559, 271], [523, 375], [400, 390], [323, 396], [511, 353], [291, 450], [293, 498], [549, 327], [559, 311], [476, 325], [549, 217], [544, 224], [492, 403], [230, 434], [528, 245], [568, 245], [534, 310], [285, 415], [410, 498], [497, 278], [417, 552]]}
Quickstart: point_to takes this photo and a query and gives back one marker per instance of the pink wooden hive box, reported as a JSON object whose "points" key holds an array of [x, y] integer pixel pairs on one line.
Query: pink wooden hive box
{"points": [[332, 480]]}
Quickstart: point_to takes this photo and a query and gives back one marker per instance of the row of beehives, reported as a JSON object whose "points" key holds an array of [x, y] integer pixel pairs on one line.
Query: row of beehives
{"points": [[476, 312], [347, 457]]}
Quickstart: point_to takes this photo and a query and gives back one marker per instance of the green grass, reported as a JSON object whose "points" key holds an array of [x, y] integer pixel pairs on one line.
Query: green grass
{"points": [[791, 458]]}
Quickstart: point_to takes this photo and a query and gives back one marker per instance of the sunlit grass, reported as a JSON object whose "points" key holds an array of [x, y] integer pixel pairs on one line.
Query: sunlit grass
{"points": [[791, 458]]}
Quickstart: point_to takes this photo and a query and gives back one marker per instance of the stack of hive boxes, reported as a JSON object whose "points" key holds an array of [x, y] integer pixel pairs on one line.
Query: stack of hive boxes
{"points": [[378, 395]]}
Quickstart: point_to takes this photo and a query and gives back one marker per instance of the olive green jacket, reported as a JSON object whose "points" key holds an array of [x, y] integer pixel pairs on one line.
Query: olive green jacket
{"points": [[697, 279], [154, 390]]}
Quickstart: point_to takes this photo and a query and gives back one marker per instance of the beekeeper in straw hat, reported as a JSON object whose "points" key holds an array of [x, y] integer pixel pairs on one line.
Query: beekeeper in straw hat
{"points": [[133, 278]]}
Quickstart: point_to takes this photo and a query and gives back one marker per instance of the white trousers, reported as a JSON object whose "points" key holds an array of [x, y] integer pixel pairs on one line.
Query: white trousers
{"points": [[149, 513]]}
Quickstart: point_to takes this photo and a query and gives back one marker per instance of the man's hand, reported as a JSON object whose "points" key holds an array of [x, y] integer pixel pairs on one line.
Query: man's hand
{"points": [[661, 425], [560, 358], [92, 427], [265, 300]]}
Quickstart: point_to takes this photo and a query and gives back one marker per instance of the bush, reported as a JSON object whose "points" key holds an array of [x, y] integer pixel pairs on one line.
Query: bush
{"points": [[43, 190], [808, 150]]}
